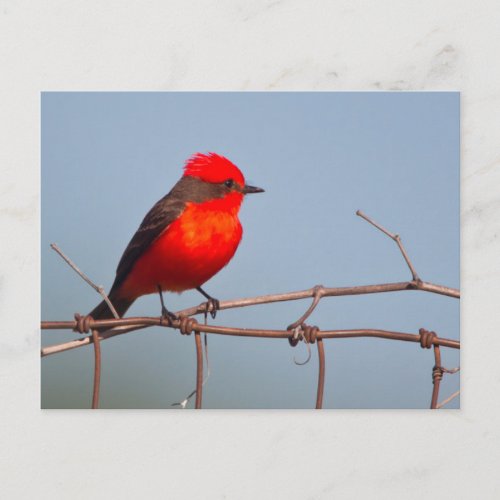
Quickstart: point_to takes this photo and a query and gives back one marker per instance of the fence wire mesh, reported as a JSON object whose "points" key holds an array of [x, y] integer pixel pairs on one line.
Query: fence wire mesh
{"points": [[298, 331]]}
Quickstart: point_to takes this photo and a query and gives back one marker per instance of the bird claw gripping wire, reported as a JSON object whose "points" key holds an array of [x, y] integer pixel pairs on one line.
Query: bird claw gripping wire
{"points": [[168, 315], [306, 333], [211, 307], [165, 313]]}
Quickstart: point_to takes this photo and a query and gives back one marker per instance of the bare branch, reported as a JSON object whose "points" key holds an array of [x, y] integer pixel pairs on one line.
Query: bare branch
{"points": [[447, 400], [394, 237], [97, 288], [328, 292]]}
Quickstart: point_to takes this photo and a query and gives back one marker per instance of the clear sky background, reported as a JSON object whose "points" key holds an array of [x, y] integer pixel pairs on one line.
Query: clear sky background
{"points": [[108, 157]]}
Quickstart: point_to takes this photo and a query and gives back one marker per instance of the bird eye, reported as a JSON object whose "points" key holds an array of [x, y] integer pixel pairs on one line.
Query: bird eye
{"points": [[229, 183]]}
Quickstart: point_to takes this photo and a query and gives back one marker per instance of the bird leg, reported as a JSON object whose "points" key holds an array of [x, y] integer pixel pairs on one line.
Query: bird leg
{"points": [[165, 313], [213, 305]]}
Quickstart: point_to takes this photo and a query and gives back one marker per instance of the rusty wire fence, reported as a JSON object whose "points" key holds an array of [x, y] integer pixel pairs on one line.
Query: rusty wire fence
{"points": [[100, 330]]}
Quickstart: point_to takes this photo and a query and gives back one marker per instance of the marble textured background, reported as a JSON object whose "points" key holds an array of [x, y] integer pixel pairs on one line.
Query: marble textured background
{"points": [[175, 45]]}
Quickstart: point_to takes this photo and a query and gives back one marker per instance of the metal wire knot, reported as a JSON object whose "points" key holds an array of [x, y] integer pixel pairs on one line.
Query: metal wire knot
{"points": [[306, 333], [426, 338], [187, 325], [310, 333], [83, 323], [437, 373], [303, 332]]}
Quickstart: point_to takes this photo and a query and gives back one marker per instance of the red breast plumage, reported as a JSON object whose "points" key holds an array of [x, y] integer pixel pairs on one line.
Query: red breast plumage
{"points": [[186, 238]]}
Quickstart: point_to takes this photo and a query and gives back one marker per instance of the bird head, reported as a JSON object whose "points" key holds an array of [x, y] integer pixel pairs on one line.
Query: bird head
{"points": [[224, 177]]}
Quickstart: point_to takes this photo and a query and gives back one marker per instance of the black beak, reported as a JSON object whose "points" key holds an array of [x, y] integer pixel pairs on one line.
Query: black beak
{"points": [[252, 189]]}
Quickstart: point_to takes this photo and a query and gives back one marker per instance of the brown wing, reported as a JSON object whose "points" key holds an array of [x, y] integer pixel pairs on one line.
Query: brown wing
{"points": [[163, 213]]}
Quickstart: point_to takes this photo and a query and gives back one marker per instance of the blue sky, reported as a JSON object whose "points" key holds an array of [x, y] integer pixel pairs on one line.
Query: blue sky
{"points": [[108, 157]]}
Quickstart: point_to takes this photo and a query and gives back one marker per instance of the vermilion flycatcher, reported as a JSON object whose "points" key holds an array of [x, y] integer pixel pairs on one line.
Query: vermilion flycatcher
{"points": [[186, 238]]}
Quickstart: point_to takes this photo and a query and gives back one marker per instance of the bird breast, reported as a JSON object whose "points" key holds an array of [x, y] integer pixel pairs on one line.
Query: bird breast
{"points": [[189, 252]]}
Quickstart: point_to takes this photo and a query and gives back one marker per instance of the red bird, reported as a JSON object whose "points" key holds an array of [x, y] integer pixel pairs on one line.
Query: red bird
{"points": [[186, 238]]}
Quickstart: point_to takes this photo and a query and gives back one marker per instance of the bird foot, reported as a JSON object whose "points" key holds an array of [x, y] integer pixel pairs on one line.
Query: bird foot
{"points": [[169, 316], [212, 306], [165, 313]]}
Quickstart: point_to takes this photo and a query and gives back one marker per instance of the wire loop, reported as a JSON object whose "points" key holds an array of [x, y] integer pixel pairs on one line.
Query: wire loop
{"points": [[426, 338], [187, 325], [308, 334], [83, 323]]}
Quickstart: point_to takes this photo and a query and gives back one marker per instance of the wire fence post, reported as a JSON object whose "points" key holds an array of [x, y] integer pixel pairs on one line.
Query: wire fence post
{"points": [[437, 375], [321, 374], [199, 370], [97, 369]]}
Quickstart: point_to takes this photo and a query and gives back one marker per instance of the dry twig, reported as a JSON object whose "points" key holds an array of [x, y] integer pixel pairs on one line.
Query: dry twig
{"points": [[99, 289], [394, 237], [447, 400]]}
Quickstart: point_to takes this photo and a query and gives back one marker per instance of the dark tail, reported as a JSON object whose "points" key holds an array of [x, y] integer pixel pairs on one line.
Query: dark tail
{"points": [[102, 311]]}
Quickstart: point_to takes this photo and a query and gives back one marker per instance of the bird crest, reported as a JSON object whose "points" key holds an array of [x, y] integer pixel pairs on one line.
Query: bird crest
{"points": [[212, 167]]}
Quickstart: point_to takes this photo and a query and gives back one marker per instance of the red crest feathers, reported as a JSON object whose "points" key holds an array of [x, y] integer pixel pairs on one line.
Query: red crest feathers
{"points": [[212, 167]]}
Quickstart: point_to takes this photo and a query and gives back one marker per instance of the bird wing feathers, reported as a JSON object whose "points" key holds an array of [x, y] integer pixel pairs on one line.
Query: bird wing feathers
{"points": [[163, 213]]}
